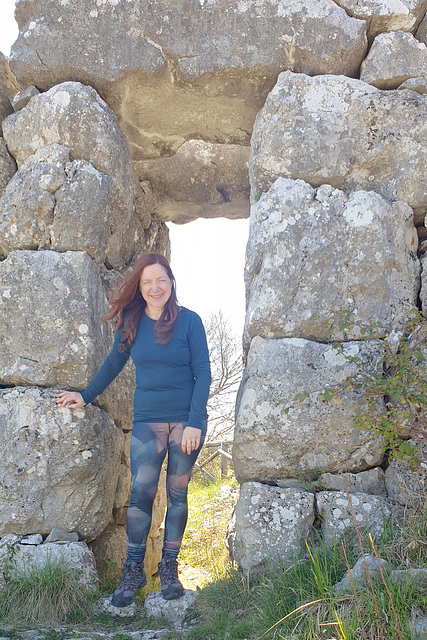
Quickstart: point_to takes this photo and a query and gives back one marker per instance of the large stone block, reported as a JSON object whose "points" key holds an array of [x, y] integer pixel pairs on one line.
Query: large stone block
{"points": [[76, 554], [340, 511], [371, 481], [385, 15], [50, 305], [392, 59], [343, 132], [74, 115], [83, 212], [110, 551], [314, 437], [28, 204], [312, 253], [405, 486], [59, 467], [271, 525], [184, 69], [201, 180]]}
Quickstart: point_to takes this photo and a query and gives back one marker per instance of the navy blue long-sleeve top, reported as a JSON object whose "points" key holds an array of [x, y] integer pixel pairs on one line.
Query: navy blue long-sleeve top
{"points": [[172, 380]]}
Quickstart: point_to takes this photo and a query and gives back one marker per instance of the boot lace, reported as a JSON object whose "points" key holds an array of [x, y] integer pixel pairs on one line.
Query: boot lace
{"points": [[168, 571], [132, 575]]}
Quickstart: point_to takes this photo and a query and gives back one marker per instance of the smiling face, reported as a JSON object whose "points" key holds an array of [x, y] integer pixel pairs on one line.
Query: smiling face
{"points": [[156, 287]]}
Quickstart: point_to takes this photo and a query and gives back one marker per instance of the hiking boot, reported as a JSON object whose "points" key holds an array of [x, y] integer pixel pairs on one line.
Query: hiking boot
{"points": [[171, 586], [133, 579]]}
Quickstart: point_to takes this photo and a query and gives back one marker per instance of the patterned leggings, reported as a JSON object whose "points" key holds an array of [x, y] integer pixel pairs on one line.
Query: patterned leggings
{"points": [[149, 444]]}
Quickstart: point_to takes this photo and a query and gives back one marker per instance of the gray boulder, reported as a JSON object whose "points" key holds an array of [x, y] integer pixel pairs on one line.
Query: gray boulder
{"points": [[392, 59], [172, 610], [271, 525], [157, 63], [371, 481], [28, 204], [421, 33], [405, 486], [58, 345], [110, 551], [21, 99], [61, 535], [201, 180], [51, 304], [385, 15], [269, 443], [83, 212], [415, 84], [368, 565], [340, 511], [298, 271], [75, 554], [347, 134], [74, 115], [60, 467]]}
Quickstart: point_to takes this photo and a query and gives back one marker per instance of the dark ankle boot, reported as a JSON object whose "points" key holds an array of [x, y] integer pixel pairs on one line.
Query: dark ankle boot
{"points": [[168, 572], [133, 579]]}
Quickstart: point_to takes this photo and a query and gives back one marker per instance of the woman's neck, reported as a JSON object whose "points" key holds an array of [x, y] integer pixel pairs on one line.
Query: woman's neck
{"points": [[154, 315]]}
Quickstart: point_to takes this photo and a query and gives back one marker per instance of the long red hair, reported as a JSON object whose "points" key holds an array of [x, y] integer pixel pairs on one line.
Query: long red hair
{"points": [[128, 301]]}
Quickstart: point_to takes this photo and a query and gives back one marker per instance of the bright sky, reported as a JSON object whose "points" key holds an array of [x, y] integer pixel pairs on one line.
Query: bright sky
{"points": [[207, 255], [8, 26], [208, 258]]}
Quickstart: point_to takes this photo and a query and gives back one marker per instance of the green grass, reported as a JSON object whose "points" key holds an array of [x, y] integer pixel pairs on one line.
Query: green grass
{"points": [[203, 546], [296, 602], [42, 594], [299, 602]]}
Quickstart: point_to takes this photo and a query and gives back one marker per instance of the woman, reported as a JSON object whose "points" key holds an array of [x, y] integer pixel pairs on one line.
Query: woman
{"points": [[167, 344]]}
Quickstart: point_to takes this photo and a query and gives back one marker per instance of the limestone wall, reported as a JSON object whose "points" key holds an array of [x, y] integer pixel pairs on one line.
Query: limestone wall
{"points": [[73, 217], [313, 112]]}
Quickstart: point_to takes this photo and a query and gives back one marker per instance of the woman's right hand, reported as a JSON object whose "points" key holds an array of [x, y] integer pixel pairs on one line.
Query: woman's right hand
{"points": [[70, 399]]}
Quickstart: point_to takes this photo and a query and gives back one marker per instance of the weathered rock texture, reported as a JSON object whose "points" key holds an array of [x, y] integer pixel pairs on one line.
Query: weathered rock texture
{"points": [[60, 467], [270, 443], [271, 525], [336, 176], [76, 554], [371, 481], [172, 610], [200, 180], [312, 253], [347, 134], [421, 33], [340, 511], [403, 486], [415, 84], [153, 62], [90, 189], [386, 15], [73, 210], [7, 87], [185, 70], [392, 59], [7, 166], [50, 335]]}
